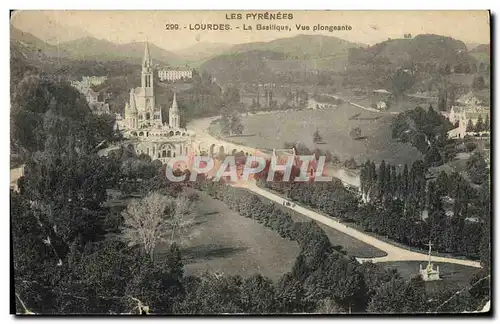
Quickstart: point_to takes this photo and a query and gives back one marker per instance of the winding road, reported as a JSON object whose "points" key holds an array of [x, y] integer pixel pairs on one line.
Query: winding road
{"points": [[394, 253]]}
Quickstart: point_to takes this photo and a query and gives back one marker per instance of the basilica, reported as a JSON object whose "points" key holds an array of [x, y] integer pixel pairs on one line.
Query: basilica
{"points": [[143, 122]]}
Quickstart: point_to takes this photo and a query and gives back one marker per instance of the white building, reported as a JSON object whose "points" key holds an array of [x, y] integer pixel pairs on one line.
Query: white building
{"points": [[143, 121], [174, 74], [94, 80], [468, 108]]}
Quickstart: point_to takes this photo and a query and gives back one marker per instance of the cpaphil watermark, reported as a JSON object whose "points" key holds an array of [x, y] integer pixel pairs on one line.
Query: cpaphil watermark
{"points": [[309, 167]]}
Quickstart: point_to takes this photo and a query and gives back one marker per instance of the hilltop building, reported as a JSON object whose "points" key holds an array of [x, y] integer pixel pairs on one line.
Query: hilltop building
{"points": [[143, 121], [174, 74]]}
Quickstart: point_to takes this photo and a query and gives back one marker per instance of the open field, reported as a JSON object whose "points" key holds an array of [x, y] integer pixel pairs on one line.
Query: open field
{"points": [[228, 243], [454, 276], [406, 103], [272, 130]]}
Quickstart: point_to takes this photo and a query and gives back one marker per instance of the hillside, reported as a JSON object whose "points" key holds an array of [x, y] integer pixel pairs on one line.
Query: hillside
{"points": [[422, 48], [283, 60], [300, 47], [242, 67], [90, 48]]}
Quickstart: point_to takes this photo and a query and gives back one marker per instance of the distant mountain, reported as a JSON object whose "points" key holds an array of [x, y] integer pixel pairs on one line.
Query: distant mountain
{"points": [[481, 48], [263, 61], [203, 50], [90, 48], [31, 47], [481, 53], [301, 46], [46, 26]]}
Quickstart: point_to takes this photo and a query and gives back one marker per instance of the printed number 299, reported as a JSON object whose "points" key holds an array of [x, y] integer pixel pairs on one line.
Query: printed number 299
{"points": [[172, 26]]}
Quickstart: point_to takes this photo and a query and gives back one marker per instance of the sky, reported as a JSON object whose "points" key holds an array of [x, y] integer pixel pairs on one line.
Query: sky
{"points": [[368, 27]]}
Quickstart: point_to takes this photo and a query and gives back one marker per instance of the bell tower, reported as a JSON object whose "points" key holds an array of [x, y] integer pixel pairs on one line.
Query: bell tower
{"points": [[147, 83]]}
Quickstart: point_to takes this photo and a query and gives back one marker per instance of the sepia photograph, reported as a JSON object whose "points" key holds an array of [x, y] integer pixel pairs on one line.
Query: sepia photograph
{"points": [[225, 162]]}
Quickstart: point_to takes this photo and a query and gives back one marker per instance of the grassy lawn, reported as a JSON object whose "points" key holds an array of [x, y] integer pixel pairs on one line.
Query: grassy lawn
{"points": [[272, 130], [454, 276], [225, 242]]}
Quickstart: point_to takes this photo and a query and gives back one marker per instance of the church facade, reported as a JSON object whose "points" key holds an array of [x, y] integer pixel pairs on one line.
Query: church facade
{"points": [[143, 123]]}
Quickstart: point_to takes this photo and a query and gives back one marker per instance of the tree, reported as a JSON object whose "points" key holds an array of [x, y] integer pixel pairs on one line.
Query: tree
{"points": [[258, 295], [153, 220], [473, 68], [181, 222], [329, 306], [317, 137], [235, 125], [469, 143], [397, 296], [467, 68], [158, 285], [479, 124], [487, 125], [478, 83], [442, 106], [145, 222], [447, 69], [290, 295], [97, 277], [351, 163], [477, 168], [211, 293], [470, 126], [355, 133], [402, 81]]}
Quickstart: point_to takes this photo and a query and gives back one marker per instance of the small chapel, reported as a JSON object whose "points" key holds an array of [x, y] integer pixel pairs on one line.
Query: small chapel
{"points": [[143, 122]]}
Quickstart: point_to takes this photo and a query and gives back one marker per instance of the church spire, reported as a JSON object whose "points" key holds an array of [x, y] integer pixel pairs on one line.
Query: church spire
{"points": [[174, 103], [147, 56], [173, 114]]}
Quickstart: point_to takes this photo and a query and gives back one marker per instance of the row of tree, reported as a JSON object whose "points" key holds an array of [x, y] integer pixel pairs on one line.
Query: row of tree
{"points": [[403, 205], [480, 126]]}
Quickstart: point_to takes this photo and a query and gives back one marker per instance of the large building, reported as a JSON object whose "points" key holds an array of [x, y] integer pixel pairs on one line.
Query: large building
{"points": [[468, 108], [143, 121], [174, 74]]}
